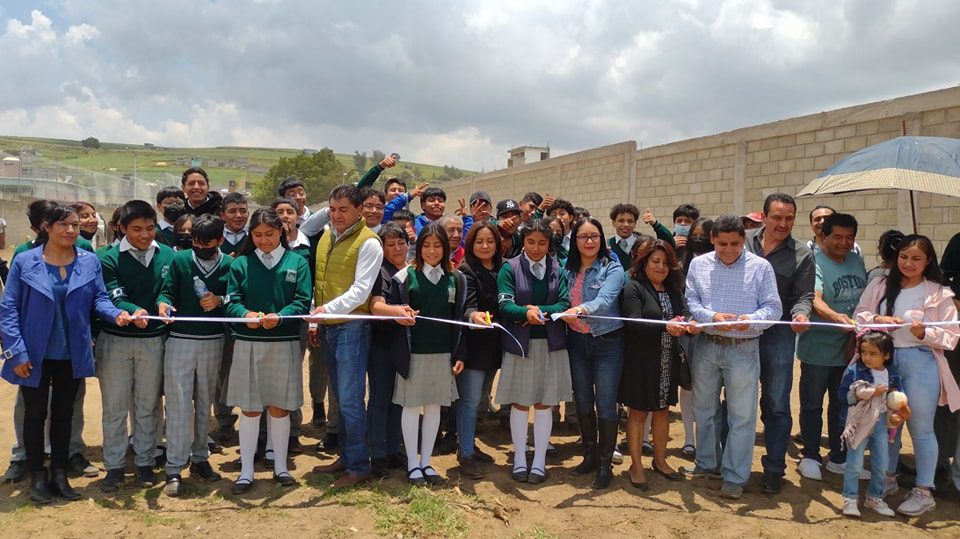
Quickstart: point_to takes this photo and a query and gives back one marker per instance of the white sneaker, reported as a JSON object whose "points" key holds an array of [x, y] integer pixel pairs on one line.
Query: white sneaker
{"points": [[810, 469], [617, 457], [850, 508], [879, 506], [834, 467], [918, 502]]}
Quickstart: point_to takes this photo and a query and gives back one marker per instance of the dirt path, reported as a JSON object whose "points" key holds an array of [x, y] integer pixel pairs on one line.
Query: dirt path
{"points": [[564, 506]]}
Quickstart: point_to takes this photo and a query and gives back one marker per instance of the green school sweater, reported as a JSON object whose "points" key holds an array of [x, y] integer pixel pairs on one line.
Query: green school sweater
{"points": [[27, 245], [226, 247], [511, 312], [284, 290], [435, 301], [132, 286], [165, 236], [178, 291]]}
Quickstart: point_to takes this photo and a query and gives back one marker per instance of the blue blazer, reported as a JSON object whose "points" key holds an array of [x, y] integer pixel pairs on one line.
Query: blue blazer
{"points": [[27, 313]]}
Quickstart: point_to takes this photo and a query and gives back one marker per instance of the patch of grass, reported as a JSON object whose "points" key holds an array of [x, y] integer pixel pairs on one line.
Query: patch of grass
{"points": [[538, 533], [151, 493], [152, 518], [24, 508]]}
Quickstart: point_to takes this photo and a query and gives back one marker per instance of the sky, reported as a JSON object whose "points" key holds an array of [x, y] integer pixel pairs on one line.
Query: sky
{"points": [[455, 82]]}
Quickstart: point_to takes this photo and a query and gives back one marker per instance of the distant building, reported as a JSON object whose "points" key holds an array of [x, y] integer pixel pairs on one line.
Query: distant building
{"points": [[148, 145], [309, 151], [522, 155]]}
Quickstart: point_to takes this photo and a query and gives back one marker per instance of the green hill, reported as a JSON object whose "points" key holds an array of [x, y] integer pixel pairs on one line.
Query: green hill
{"points": [[163, 165]]}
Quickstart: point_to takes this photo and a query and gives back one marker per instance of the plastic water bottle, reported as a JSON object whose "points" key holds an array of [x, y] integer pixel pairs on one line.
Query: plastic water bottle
{"points": [[199, 287]]}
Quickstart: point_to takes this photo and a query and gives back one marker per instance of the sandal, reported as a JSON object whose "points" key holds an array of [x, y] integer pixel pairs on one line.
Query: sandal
{"points": [[416, 481], [434, 479], [242, 486], [673, 476], [285, 479], [640, 485]]}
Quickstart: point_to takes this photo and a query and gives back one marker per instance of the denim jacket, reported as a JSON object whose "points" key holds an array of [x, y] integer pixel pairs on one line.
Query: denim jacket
{"points": [[858, 371], [602, 283]]}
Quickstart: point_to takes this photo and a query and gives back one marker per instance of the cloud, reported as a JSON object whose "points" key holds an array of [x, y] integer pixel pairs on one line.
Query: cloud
{"points": [[456, 83]]}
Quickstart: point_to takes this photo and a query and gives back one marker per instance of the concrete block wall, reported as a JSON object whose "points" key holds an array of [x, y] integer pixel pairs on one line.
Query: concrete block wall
{"points": [[733, 172]]}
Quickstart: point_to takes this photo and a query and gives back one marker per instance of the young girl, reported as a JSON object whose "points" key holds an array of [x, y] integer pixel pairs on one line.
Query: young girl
{"points": [[425, 351], [531, 288], [266, 281], [89, 222], [297, 241], [864, 385], [183, 233]]}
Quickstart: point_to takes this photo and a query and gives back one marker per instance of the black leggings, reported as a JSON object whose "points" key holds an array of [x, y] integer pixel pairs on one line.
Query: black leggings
{"points": [[59, 387]]}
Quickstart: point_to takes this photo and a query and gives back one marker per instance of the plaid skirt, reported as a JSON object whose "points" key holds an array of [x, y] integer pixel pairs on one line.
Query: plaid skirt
{"points": [[542, 377], [430, 381], [265, 373]]}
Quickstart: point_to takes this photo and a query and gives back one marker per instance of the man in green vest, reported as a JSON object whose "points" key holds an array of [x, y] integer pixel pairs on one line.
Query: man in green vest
{"points": [[349, 256]]}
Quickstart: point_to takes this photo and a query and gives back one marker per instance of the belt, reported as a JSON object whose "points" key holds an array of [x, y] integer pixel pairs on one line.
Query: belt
{"points": [[727, 341]]}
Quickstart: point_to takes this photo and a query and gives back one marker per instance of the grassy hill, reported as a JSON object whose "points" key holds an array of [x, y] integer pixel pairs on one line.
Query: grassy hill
{"points": [[160, 164]]}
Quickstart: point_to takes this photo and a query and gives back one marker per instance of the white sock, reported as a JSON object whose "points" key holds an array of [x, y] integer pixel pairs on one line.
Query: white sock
{"points": [[686, 414], [646, 428], [542, 424], [268, 443], [518, 431], [279, 429], [410, 427], [428, 436], [249, 432]]}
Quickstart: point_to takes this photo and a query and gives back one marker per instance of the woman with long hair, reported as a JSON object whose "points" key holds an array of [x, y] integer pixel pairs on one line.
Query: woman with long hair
{"points": [[913, 293]]}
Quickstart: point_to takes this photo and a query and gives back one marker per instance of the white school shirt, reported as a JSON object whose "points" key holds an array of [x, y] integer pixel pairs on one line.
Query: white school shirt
{"points": [[275, 256], [151, 250]]}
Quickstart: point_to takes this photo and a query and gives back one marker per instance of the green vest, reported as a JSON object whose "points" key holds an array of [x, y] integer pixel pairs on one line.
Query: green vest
{"points": [[337, 265]]}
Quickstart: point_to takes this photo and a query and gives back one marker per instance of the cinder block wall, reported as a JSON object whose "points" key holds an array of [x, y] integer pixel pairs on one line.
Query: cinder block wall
{"points": [[733, 172]]}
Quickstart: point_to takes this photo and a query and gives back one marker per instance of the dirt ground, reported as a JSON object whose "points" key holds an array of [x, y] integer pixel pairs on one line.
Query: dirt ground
{"points": [[564, 506]]}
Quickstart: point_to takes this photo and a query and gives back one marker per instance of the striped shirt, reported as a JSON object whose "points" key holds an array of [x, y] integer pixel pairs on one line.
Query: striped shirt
{"points": [[748, 286]]}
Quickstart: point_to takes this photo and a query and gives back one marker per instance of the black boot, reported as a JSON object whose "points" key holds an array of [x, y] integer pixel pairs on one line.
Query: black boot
{"points": [[588, 431], [606, 445], [61, 485], [39, 487]]}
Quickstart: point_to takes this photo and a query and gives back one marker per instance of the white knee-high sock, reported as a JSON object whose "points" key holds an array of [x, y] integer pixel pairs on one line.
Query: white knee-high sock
{"points": [[686, 414], [279, 429], [518, 431], [428, 435], [646, 428], [410, 427], [268, 443], [249, 432], [542, 424]]}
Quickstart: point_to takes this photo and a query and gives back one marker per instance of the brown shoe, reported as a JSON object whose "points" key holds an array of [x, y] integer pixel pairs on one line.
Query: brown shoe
{"points": [[335, 467], [470, 467], [348, 480]]}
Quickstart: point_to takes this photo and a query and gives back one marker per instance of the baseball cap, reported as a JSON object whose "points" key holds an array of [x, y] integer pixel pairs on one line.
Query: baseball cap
{"points": [[755, 216], [480, 195], [507, 206]]}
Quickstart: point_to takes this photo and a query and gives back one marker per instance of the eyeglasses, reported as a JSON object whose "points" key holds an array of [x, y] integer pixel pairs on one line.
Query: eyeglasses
{"points": [[588, 237]]}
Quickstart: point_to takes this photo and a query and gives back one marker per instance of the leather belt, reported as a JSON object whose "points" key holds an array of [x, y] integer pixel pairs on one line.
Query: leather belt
{"points": [[727, 341]]}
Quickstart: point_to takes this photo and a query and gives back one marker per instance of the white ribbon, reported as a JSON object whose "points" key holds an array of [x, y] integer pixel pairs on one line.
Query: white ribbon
{"points": [[854, 327]]}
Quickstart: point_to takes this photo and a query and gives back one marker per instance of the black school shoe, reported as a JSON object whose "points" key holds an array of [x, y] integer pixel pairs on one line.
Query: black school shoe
{"points": [[146, 477], [378, 468], [204, 471], [111, 483]]}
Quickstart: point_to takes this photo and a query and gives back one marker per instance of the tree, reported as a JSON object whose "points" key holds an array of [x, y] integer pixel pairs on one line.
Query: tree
{"points": [[376, 156], [452, 172], [360, 161], [319, 173], [90, 142]]}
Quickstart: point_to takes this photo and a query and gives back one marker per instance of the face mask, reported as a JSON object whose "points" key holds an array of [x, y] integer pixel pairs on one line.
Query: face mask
{"points": [[206, 253], [700, 245], [681, 230], [184, 241]]}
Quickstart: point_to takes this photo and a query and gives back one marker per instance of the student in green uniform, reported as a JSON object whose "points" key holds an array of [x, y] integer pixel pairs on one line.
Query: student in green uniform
{"points": [[36, 212], [234, 215], [130, 359], [266, 281], [182, 233], [166, 197], [624, 217], [427, 354], [195, 286], [297, 242]]}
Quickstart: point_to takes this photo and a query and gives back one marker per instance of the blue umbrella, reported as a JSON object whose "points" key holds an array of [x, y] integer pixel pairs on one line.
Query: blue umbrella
{"points": [[926, 164]]}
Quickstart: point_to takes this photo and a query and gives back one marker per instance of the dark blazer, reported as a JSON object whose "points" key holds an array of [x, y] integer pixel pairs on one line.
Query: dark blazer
{"points": [[27, 314], [484, 349], [401, 340], [639, 300]]}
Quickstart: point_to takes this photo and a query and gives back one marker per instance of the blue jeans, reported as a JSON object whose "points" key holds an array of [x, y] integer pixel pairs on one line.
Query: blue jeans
{"points": [[383, 416], [736, 368], [345, 349], [595, 366], [878, 460], [921, 382], [470, 387], [815, 380], [777, 345]]}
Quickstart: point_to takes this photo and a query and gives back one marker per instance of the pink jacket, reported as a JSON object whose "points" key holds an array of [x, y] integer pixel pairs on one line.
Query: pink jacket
{"points": [[938, 307]]}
